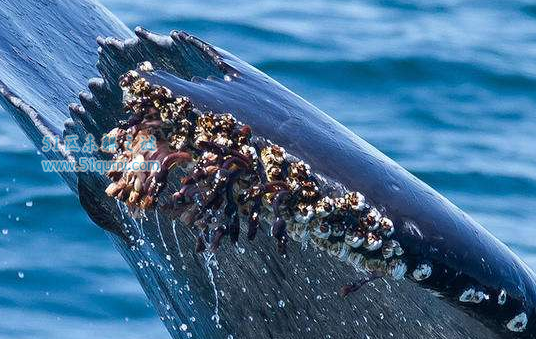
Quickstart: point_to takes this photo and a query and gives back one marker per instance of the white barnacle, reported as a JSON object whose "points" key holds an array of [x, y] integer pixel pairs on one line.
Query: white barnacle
{"points": [[340, 204], [222, 140], [127, 79], [467, 295], [473, 296], [338, 231], [422, 272], [479, 297], [113, 134], [391, 248], [324, 207], [249, 151], [397, 269], [322, 230], [355, 200], [273, 154], [354, 240], [300, 168], [305, 215], [387, 226], [146, 66], [373, 242], [387, 251], [501, 299], [372, 219], [518, 323]]}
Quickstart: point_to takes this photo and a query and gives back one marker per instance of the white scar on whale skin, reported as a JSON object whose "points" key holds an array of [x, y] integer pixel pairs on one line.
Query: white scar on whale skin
{"points": [[120, 207], [160, 230], [123, 209], [174, 226], [422, 272], [139, 226], [210, 260]]}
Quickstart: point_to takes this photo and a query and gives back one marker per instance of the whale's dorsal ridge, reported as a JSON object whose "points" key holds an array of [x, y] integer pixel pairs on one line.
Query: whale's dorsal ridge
{"points": [[178, 53]]}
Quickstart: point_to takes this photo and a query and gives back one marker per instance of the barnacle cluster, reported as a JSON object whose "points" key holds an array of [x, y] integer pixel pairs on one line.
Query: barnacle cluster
{"points": [[230, 177], [154, 115]]}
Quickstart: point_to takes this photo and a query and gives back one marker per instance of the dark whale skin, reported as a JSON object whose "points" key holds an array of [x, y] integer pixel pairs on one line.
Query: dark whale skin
{"points": [[38, 83], [462, 253], [432, 229]]}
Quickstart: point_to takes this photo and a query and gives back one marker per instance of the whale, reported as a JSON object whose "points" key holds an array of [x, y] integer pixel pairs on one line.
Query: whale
{"points": [[421, 269]]}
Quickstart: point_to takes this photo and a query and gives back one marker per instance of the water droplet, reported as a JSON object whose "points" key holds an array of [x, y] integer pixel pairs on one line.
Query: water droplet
{"points": [[29, 203], [281, 303], [168, 257], [184, 327], [5, 231], [21, 275]]}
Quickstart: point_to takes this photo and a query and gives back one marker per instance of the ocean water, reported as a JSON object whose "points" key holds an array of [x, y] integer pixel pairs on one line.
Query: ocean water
{"points": [[446, 88]]}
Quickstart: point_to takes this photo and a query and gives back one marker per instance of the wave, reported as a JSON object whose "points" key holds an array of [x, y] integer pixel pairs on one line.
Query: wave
{"points": [[387, 71], [479, 183]]}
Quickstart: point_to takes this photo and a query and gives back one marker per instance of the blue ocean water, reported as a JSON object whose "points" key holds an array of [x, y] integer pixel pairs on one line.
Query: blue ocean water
{"points": [[446, 88]]}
